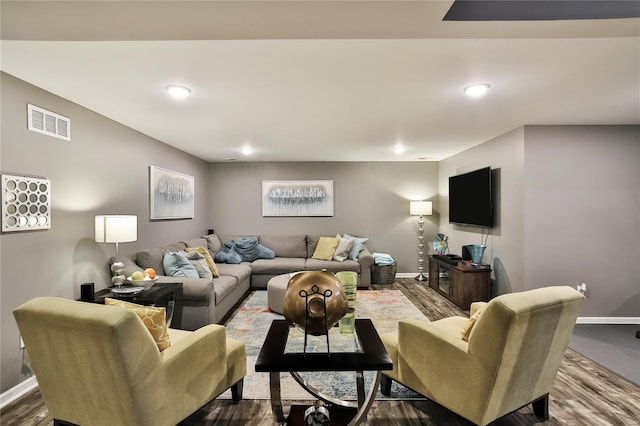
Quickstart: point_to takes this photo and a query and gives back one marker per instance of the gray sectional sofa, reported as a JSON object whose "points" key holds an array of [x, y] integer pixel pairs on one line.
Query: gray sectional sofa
{"points": [[205, 301]]}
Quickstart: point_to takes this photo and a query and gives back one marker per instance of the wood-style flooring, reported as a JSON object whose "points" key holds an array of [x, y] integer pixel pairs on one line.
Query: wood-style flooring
{"points": [[584, 393]]}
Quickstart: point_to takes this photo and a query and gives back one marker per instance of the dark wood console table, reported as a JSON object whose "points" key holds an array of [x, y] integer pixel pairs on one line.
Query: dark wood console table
{"points": [[460, 284]]}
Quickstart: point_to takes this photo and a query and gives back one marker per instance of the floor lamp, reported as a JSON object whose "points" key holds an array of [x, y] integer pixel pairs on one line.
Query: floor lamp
{"points": [[421, 209]]}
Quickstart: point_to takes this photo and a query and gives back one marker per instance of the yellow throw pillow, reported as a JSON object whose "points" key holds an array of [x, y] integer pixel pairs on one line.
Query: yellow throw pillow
{"points": [[326, 248], [153, 318], [203, 251], [466, 330]]}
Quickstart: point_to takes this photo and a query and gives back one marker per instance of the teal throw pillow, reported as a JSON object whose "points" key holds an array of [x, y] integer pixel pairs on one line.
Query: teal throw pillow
{"points": [[358, 246], [177, 265]]}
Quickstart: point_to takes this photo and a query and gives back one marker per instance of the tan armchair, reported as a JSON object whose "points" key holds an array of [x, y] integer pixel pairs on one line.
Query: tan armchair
{"points": [[511, 358], [99, 365]]}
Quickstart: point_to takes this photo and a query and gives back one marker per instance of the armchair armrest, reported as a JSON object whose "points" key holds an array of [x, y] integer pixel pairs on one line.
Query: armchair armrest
{"points": [[197, 362], [431, 354]]}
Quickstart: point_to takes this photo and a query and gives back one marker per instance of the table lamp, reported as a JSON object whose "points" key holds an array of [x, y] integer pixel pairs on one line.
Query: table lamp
{"points": [[420, 208], [116, 229]]}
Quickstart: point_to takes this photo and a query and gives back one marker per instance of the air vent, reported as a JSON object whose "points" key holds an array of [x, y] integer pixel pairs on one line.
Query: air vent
{"points": [[42, 121]]}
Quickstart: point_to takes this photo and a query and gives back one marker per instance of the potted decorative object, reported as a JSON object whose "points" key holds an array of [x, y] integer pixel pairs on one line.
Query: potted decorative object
{"points": [[315, 301]]}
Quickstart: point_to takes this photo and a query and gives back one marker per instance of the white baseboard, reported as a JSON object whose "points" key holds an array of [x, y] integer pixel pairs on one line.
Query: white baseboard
{"points": [[10, 395], [608, 320]]}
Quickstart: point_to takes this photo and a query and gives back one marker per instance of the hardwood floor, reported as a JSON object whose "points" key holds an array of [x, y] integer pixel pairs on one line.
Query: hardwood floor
{"points": [[584, 393]]}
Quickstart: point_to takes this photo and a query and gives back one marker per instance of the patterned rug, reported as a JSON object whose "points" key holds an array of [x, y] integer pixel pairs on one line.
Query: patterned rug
{"points": [[384, 307]]}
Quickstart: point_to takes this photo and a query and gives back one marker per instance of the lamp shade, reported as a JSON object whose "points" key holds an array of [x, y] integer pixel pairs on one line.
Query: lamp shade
{"points": [[116, 228], [420, 208]]}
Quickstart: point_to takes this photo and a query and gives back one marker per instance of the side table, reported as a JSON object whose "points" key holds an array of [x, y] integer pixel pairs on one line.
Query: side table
{"points": [[161, 294], [369, 355]]}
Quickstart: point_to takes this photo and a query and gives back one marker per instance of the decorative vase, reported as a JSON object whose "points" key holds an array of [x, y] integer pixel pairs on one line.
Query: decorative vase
{"points": [[349, 281], [314, 301], [476, 251]]}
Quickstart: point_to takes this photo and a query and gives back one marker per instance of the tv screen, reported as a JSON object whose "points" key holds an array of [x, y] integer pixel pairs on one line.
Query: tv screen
{"points": [[471, 198]]}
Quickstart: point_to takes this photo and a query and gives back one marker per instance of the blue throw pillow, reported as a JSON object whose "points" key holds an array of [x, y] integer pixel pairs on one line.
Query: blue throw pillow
{"points": [[177, 265], [358, 246]]}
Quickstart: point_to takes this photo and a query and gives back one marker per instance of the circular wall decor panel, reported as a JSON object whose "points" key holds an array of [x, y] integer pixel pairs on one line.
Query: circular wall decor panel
{"points": [[26, 203]]}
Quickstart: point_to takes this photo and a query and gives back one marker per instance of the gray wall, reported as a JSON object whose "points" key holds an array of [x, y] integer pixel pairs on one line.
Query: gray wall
{"points": [[104, 169], [582, 220], [567, 208], [371, 200], [505, 249]]}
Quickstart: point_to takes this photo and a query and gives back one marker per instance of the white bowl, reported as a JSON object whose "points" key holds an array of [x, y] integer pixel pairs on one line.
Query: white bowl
{"points": [[146, 282]]}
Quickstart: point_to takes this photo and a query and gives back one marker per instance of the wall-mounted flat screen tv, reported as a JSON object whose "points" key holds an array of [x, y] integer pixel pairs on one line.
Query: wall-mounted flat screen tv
{"points": [[471, 198]]}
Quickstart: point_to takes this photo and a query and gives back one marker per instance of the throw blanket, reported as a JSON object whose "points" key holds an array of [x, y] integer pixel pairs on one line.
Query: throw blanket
{"points": [[244, 249], [382, 259]]}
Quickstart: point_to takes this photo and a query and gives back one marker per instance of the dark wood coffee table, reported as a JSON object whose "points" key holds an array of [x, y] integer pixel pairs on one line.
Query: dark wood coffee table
{"points": [[369, 355], [161, 294]]}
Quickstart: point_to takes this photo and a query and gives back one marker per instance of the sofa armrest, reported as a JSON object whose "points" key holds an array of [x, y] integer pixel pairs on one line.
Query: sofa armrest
{"points": [[365, 259], [192, 288]]}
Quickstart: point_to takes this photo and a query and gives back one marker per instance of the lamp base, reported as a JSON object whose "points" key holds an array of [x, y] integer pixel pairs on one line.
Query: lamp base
{"points": [[420, 277]]}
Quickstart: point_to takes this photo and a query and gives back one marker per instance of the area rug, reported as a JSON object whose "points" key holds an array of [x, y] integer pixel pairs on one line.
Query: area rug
{"points": [[250, 325]]}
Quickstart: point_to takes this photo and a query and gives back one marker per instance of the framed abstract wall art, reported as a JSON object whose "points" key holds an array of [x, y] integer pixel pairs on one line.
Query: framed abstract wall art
{"points": [[297, 198], [172, 194]]}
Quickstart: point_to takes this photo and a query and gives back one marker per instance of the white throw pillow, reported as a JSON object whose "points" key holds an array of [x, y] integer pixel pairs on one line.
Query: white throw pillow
{"points": [[342, 251]]}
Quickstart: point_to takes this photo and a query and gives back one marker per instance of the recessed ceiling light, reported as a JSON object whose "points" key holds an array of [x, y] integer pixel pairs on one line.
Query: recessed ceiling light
{"points": [[176, 91], [476, 90], [247, 150]]}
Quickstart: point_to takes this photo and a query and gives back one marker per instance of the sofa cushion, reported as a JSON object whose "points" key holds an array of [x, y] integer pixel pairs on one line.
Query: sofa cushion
{"points": [[214, 245], [277, 266], [358, 245], [192, 288], [203, 251], [343, 249], [176, 264], [153, 318], [200, 263], [195, 242], [326, 248], [222, 286], [332, 266], [286, 245], [175, 246], [151, 258], [241, 272]]}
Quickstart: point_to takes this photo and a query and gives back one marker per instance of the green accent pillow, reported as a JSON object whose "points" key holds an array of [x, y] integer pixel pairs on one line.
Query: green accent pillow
{"points": [[177, 265], [326, 248]]}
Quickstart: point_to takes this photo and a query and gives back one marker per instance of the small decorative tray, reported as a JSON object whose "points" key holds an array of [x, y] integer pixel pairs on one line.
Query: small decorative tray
{"points": [[127, 291]]}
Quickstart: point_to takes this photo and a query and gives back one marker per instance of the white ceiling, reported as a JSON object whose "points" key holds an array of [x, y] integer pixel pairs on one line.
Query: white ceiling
{"points": [[321, 80]]}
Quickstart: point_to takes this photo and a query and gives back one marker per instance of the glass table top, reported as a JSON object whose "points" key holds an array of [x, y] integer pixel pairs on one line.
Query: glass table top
{"points": [[338, 342]]}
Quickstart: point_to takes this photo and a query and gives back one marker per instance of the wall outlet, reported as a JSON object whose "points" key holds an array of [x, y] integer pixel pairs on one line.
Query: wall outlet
{"points": [[582, 288]]}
